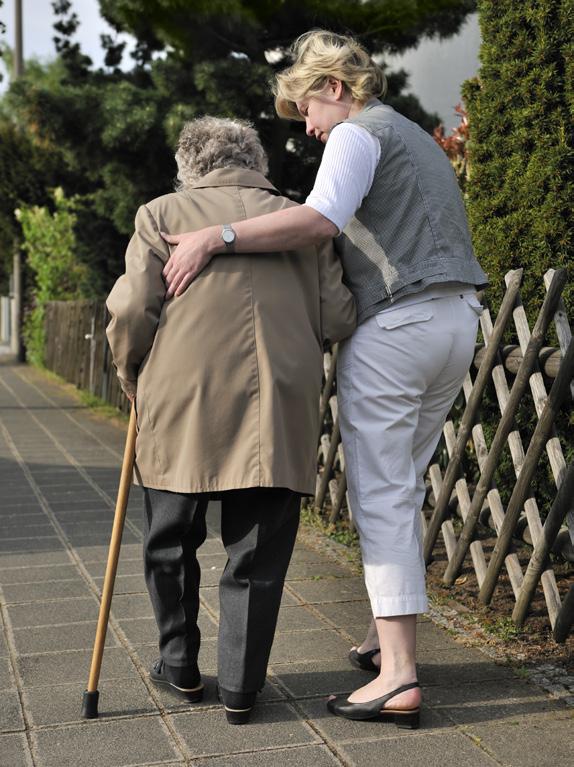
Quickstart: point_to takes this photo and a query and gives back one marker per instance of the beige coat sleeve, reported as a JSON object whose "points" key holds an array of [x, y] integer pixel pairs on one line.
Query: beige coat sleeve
{"points": [[338, 310], [136, 300]]}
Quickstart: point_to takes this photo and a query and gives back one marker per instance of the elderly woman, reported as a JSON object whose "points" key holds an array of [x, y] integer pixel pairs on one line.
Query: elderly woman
{"points": [[227, 382], [407, 256]]}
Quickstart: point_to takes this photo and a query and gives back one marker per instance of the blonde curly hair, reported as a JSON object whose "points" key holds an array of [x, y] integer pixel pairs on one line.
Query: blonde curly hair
{"points": [[319, 55], [209, 143]]}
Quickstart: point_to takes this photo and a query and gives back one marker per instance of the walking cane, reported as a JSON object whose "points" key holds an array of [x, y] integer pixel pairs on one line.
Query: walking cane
{"points": [[91, 695]]}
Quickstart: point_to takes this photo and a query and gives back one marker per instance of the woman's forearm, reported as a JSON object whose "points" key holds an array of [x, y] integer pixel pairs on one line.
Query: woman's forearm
{"points": [[287, 229]]}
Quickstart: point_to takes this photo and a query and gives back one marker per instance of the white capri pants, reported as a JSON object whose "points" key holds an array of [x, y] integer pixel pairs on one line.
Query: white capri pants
{"points": [[398, 376]]}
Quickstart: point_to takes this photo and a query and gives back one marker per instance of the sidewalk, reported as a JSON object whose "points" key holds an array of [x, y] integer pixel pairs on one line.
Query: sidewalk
{"points": [[59, 468]]}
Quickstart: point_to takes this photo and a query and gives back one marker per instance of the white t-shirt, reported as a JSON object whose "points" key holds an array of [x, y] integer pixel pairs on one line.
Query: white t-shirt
{"points": [[346, 173]]}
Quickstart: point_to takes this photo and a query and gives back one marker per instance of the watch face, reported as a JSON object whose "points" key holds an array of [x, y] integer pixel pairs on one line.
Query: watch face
{"points": [[228, 236]]}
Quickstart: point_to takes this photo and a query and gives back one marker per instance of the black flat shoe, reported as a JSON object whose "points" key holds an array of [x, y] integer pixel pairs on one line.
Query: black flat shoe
{"points": [[238, 705], [185, 682], [374, 709], [364, 660]]}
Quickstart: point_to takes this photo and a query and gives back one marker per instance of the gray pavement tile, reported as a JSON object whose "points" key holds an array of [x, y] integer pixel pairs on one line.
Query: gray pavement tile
{"points": [[211, 560], [432, 750], [336, 729], [15, 751], [210, 575], [125, 567], [545, 740], [330, 589], [39, 592], [458, 665], [126, 606], [6, 681], [30, 528], [144, 630], [71, 636], [316, 570], [99, 539], [35, 574], [3, 645], [348, 615], [298, 618], [272, 725], [54, 612], [105, 744], [126, 584], [100, 553], [489, 701], [30, 545], [303, 553], [10, 711], [29, 560], [62, 704], [314, 645], [54, 668], [300, 756], [320, 677]]}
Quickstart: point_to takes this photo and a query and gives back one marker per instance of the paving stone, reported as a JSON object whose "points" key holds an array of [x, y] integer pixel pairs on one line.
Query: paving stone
{"points": [[336, 729], [72, 666], [348, 615], [125, 567], [62, 704], [3, 645], [6, 680], [300, 756], [457, 665], [105, 744], [30, 545], [10, 712], [320, 677], [144, 630], [53, 613], [39, 592], [316, 570], [11, 560], [126, 584], [30, 528], [71, 636], [421, 748], [100, 553], [320, 644], [15, 751], [330, 590], [38, 573], [489, 701], [80, 541], [517, 741], [271, 725], [298, 618], [303, 553], [125, 606]]}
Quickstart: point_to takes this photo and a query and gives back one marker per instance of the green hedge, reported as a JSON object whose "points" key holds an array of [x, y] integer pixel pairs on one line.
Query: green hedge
{"points": [[521, 110]]}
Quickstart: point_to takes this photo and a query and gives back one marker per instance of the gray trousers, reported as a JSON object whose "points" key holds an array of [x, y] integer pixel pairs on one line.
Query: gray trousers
{"points": [[258, 530]]}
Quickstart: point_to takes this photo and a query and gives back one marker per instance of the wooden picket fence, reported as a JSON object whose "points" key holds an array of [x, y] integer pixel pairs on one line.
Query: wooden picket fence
{"points": [[463, 500], [481, 505]]}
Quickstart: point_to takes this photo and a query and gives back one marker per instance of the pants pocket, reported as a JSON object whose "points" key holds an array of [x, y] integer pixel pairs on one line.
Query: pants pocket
{"points": [[398, 318]]}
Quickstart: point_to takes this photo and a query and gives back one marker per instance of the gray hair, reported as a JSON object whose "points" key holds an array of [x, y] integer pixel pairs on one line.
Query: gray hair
{"points": [[209, 143]]}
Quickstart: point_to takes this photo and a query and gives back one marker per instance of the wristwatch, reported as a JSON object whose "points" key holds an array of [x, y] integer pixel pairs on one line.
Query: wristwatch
{"points": [[228, 236]]}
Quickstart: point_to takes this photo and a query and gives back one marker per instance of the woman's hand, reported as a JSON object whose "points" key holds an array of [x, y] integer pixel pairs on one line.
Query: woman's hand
{"points": [[193, 252]]}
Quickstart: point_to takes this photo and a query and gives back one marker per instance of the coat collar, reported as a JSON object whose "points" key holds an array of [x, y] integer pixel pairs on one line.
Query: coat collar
{"points": [[234, 177]]}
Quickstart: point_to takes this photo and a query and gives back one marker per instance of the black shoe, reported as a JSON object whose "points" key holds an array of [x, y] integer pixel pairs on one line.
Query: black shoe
{"points": [[238, 705], [186, 682], [364, 660], [374, 709]]}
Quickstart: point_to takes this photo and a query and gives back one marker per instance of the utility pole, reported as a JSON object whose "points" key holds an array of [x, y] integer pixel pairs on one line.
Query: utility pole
{"points": [[18, 71]]}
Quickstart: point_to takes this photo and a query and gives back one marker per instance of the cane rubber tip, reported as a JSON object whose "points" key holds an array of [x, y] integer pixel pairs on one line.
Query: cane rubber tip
{"points": [[90, 704]]}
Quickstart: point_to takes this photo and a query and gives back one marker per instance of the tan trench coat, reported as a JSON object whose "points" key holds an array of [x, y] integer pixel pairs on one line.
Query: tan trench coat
{"points": [[228, 375]]}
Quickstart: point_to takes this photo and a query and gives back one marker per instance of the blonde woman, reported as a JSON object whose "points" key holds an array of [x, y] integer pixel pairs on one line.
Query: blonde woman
{"points": [[390, 193]]}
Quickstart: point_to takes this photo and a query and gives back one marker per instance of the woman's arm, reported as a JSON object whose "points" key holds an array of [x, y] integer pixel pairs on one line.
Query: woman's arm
{"points": [[287, 229]]}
